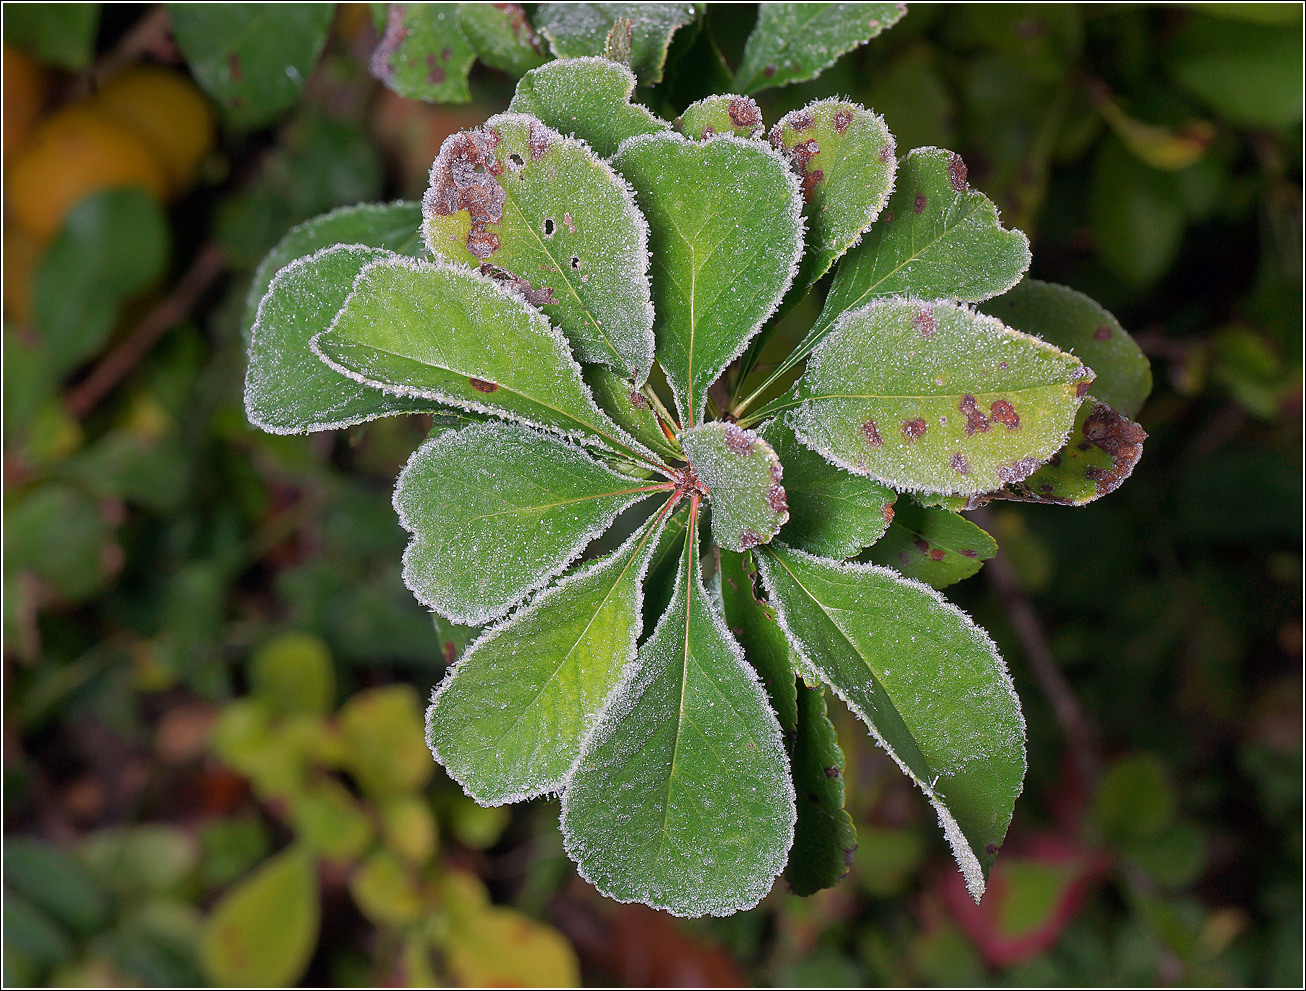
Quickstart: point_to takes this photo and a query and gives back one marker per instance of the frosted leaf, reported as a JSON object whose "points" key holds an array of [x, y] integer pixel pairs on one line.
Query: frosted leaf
{"points": [[728, 114], [725, 222], [844, 156], [935, 397], [444, 332], [831, 511], [287, 390], [932, 545], [1077, 324], [928, 683], [502, 36], [681, 798], [629, 409], [587, 98], [508, 719], [744, 480], [543, 215], [793, 42], [579, 29], [422, 54], [496, 510]]}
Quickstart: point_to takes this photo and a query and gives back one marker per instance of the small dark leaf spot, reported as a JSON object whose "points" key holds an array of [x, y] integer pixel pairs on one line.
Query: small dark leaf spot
{"points": [[802, 122], [957, 173], [937, 554], [1055, 460], [639, 401], [480, 385], [738, 440], [920, 203], [812, 797], [1018, 470], [450, 652], [872, 434], [434, 73], [976, 421], [921, 545], [233, 66], [769, 71], [1103, 333], [539, 141], [831, 772], [967, 552], [842, 119], [549, 227], [566, 219], [924, 321], [1003, 412], [459, 182], [886, 153], [913, 429], [887, 512], [888, 216], [991, 849], [748, 539], [959, 464], [517, 160], [744, 113], [905, 558]]}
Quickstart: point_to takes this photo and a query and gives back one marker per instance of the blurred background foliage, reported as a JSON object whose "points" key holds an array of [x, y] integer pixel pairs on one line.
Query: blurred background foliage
{"points": [[213, 764]]}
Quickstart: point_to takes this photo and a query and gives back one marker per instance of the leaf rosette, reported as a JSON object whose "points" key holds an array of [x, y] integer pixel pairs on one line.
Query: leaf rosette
{"points": [[584, 326]]}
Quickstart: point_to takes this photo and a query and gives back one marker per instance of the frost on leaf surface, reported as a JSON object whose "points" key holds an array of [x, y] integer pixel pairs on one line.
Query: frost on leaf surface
{"points": [[588, 98], [937, 398], [932, 545], [1075, 323], [725, 231], [287, 390], [578, 29], [550, 220], [831, 510], [737, 115], [629, 408], [496, 510], [844, 156], [793, 42], [422, 54], [508, 720], [682, 797], [928, 683], [502, 36], [444, 332], [744, 480]]}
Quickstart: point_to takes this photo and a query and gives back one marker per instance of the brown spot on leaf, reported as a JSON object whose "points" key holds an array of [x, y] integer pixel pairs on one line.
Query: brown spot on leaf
{"points": [[976, 421], [541, 296], [768, 72], [538, 141], [1103, 333], [841, 121], [775, 494], [886, 152], [1119, 437], [967, 552], [887, 512], [801, 122], [920, 202], [957, 173], [924, 321], [959, 464], [738, 440], [938, 554], [831, 772], [1085, 380], [921, 545], [481, 385], [1003, 412], [434, 74], [566, 219], [233, 67], [888, 216], [913, 429], [639, 401], [990, 848], [872, 434], [744, 113], [1018, 470], [461, 180], [450, 652], [749, 539]]}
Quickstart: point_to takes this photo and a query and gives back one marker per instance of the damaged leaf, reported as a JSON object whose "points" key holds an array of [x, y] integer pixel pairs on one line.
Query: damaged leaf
{"points": [[502, 36], [579, 29], [551, 221], [737, 115], [587, 98], [794, 42], [932, 545], [744, 481], [422, 54], [934, 397]]}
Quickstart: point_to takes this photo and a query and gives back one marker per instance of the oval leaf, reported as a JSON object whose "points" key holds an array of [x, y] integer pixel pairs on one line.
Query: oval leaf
{"points": [[765, 645], [743, 478], [687, 740], [288, 391], [843, 154], [726, 236], [542, 214], [831, 511], [737, 115], [824, 835], [937, 398], [501, 35], [578, 29], [588, 98], [793, 42], [933, 545], [422, 54], [933, 692], [496, 510], [1077, 324], [508, 719]]}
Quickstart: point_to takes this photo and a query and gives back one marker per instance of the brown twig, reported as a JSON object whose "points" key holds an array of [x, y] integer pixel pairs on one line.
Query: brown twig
{"points": [[203, 272], [1080, 733], [150, 35]]}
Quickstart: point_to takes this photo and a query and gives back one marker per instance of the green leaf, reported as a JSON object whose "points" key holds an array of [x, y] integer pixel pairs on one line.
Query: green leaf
{"points": [[394, 226], [423, 55], [502, 36], [294, 674], [928, 683], [1250, 73], [84, 277], [844, 155], [725, 234], [824, 835], [287, 391], [1137, 216], [264, 930], [1077, 324], [1101, 453], [660, 582], [453, 637], [579, 29], [932, 545], [794, 42], [32, 935], [543, 214], [743, 477], [58, 34], [831, 511], [496, 510], [54, 882], [765, 645], [629, 409], [508, 719], [682, 798], [936, 397], [737, 115], [381, 729], [331, 822], [588, 98], [60, 535], [251, 58], [443, 332]]}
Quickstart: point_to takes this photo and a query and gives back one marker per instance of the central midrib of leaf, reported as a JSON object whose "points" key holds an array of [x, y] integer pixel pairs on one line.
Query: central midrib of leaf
{"points": [[541, 507]]}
